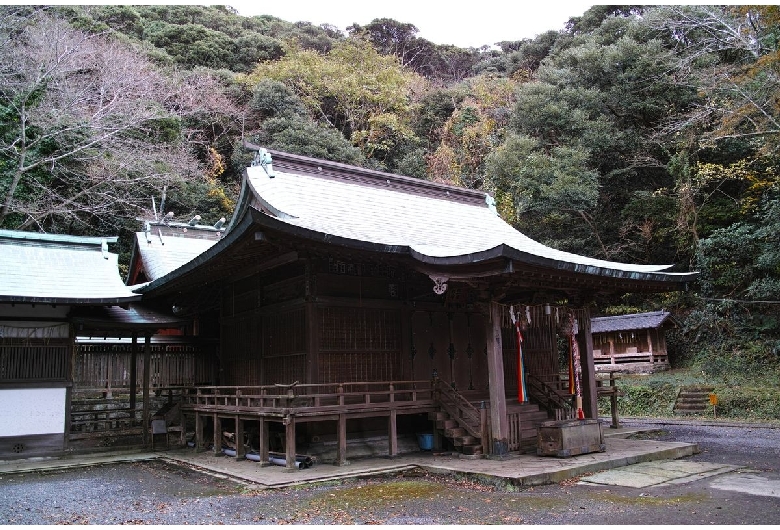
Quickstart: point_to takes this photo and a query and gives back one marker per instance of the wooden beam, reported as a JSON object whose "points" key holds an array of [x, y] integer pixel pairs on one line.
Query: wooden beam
{"points": [[499, 425]]}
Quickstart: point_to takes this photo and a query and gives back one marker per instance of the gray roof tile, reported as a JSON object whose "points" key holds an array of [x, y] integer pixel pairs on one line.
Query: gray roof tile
{"points": [[432, 226], [59, 269], [628, 322]]}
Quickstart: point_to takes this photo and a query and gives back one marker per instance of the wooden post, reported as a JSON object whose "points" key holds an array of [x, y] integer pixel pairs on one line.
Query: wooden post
{"points": [[392, 434], [199, 442], [590, 396], [263, 442], [147, 413], [650, 344], [217, 434], [499, 426], [613, 398], [289, 439], [240, 449], [341, 450], [484, 427], [438, 439], [133, 372]]}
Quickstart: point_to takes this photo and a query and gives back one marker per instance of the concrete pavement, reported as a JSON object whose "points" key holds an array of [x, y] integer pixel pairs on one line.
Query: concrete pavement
{"points": [[516, 469]]}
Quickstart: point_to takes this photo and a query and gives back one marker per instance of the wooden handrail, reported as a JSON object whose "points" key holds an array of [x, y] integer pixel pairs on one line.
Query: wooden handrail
{"points": [[459, 408], [547, 396], [307, 398]]}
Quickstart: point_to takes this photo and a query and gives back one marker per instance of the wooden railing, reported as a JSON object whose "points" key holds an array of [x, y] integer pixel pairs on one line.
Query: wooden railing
{"points": [[304, 400], [459, 408], [550, 395]]}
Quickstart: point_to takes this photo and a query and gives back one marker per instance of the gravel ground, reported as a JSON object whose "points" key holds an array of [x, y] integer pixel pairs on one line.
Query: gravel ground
{"points": [[155, 492]]}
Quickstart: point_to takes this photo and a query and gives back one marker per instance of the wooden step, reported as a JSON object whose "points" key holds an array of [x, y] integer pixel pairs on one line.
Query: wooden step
{"points": [[460, 441], [438, 415], [454, 432], [446, 424], [472, 449]]}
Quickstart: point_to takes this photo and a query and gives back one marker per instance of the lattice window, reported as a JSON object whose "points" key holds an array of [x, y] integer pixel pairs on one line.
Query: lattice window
{"points": [[33, 360], [360, 329]]}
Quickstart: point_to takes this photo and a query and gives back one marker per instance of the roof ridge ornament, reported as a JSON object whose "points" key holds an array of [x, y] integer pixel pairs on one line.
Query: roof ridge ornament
{"points": [[264, 160], [491, 203]]}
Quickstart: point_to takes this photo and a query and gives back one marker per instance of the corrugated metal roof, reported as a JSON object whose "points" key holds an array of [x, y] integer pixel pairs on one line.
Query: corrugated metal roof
{"points": [[41, 268], [628, 322]]}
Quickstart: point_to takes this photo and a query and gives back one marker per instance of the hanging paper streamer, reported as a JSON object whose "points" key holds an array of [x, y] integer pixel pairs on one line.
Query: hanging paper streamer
{"points": [[522, 394]]}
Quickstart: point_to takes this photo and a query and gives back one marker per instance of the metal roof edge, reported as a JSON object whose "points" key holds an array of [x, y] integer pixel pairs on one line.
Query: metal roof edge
{"points": [[56, 238], [69, 300], [506, 251]]}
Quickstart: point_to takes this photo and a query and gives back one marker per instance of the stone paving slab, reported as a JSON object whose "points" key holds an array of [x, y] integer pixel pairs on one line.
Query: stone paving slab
{"points": [[658, 473], [525, 470], [520, 470]]}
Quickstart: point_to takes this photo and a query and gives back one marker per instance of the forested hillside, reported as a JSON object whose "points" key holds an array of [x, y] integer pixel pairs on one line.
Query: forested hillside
{"points": [[635, 133]]}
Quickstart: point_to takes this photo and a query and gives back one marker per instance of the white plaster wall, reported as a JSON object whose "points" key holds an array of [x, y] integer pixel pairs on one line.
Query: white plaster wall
{"points": [[25, 411]]}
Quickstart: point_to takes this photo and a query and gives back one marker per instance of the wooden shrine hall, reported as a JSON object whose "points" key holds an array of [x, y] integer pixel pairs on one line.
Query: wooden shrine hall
{"points": [[349, 303]]}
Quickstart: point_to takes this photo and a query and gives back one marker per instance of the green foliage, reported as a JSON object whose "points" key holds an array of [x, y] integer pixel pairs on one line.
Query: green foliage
{"points": [[370, 105], [308, 138], [751, 396]]}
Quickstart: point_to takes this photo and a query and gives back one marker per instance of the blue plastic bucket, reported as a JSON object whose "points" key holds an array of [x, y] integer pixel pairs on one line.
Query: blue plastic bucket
{"points": [[425, 441]]}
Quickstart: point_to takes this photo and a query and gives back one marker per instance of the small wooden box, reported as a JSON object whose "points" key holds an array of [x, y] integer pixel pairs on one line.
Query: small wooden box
{"points": [[570, 438]]}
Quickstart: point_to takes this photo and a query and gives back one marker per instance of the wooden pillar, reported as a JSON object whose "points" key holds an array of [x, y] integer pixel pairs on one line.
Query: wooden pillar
{"points": [[133, 372], [240, 449], [147, 413], [199, 442], [289, 441], [217, 438], [650, 344], [392, 434], [613, 401], [499, 426], [341, 449], [590, 403], [263, 442]]}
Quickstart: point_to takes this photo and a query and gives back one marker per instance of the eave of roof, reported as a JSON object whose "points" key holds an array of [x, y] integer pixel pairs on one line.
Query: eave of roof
{"points": [[255, 210], [47, 269], [135, 317], [650, 320]]}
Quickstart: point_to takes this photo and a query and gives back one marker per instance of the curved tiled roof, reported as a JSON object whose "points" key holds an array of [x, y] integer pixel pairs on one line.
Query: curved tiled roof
{"points": [[46, 268], [438, 223], [628, 322]]}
